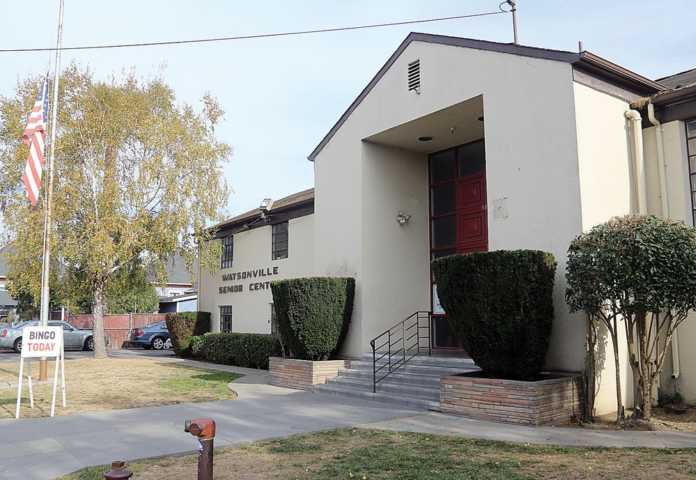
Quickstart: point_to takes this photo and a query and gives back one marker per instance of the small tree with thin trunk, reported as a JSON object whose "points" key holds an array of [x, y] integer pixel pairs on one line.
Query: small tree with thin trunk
{"points": [[137, 179], [639, 271]]}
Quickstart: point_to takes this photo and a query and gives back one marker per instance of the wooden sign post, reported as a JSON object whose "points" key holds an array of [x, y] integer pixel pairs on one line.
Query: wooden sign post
{"points": [[42, 342]]}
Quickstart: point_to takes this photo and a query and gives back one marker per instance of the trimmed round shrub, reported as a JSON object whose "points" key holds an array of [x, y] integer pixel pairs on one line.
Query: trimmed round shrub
{"points": [[313, 314], [184, 325], [500, 304]]}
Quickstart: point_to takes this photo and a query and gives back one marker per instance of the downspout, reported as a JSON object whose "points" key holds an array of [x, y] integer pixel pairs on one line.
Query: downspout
{"points": [[636, 143], [635, 134], [662, 171]]}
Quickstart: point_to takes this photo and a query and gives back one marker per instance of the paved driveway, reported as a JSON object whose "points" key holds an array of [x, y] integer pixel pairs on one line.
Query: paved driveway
{"points": [[45, 448]]}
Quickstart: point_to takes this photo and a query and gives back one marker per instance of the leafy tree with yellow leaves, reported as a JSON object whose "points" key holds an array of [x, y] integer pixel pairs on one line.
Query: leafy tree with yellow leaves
{"points": [[137, 179]]}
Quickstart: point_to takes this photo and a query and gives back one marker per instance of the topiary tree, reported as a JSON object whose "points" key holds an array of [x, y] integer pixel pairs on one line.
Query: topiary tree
{"points": [[183, 326], [642, 270], [500, 304], [313, 314]]}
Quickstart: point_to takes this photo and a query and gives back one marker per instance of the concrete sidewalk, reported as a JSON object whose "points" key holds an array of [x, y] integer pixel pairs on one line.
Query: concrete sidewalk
{"points": [[44, 448], [440, 424]]}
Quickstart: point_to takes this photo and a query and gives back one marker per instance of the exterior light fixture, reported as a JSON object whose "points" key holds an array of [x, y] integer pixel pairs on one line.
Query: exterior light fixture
{"points": [[426, 138], [265, 206], [480, 119], [402, 218]]}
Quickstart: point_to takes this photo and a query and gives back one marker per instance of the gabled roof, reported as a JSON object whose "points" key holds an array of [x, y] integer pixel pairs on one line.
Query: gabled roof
{"points": [[585, 61]]}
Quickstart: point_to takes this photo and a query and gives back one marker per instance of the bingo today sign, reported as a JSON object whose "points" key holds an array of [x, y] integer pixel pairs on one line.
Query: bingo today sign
{"points": [[41, 342]]}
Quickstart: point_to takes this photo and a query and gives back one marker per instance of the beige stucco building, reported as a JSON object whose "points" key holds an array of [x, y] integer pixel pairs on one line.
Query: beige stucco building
{"points": [[460, 145]]}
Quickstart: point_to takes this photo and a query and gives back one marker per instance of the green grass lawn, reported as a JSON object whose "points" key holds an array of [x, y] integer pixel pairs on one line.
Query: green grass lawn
{"points": [[370, 454], [117, 383], [214, 383]]}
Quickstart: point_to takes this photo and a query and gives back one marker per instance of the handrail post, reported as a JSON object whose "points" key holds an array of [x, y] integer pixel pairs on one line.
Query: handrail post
{"points": [[430, 336], [389, 349], [403, 341], [374, 368]]}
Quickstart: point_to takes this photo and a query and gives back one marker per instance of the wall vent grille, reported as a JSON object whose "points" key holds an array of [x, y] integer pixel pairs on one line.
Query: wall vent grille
{"points": [[414, 81]]}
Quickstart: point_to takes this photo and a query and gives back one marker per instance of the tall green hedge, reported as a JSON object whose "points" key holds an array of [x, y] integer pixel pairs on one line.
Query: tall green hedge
{"points": [[313, 314], [241, 349], [500, 304], [182, 326]]}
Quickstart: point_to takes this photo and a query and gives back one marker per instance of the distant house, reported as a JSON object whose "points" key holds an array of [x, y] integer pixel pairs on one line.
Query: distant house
{"points": [[7, 303], [178, 294], [185, 302]]}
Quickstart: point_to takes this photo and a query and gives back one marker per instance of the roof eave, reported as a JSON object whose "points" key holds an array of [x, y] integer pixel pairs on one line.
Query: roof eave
{"points": [[672, 96], [247, 219], [617, 74]]}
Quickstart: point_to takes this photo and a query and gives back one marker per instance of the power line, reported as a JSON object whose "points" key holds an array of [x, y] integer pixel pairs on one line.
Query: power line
{"points": [[254, 36]]}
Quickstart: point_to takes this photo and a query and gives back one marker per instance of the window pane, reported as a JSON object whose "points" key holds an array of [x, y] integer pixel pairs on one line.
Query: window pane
{"points": [[471, 158], [226, 318], [279, 241], [227, 251], [444, 231], [443, 198], [692, 163], [692, 146], [442, 166], [691, 128]]}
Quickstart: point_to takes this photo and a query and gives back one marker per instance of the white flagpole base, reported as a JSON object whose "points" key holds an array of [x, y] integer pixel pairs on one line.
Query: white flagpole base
{"points": [[19, 386]]}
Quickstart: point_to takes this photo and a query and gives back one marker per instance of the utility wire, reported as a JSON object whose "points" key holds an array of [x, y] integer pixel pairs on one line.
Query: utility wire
{"points": [[254, 36]]}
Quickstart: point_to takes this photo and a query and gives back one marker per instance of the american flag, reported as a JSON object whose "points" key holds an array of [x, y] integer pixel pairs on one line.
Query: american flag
{"points": [[35, 137]]}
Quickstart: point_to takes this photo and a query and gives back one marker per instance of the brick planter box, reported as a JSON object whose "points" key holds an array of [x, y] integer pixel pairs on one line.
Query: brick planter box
{"points": [[553, 399], [303, 374]]}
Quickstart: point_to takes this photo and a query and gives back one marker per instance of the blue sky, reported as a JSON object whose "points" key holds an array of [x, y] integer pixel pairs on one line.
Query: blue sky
{"points": [[282, 95]]}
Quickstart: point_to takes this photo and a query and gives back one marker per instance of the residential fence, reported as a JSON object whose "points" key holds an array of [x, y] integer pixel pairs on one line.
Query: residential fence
{"points": [[117, 327]]}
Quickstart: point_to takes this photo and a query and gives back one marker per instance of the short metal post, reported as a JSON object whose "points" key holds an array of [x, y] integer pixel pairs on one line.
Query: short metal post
{"points": [[204, 430], [430, 336], [389, 348], [374, 368], [205, 460], [118, 471], [403, 341]]}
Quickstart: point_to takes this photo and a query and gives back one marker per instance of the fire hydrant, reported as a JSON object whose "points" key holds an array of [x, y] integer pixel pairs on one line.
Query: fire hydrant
{"points": [[118, 471], [204, 430]]}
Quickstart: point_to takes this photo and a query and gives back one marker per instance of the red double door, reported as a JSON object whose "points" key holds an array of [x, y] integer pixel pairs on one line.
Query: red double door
{"points": [[458, 216]]}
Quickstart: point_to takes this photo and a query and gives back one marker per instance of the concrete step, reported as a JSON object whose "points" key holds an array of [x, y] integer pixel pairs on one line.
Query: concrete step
{"points": [[418, 368], [336, 388], [388, 385], [415, 384], [434, 360], [397, 376]]}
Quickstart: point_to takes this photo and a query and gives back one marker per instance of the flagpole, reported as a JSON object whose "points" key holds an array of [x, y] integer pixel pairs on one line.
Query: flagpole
{"points": [[46, 259]]}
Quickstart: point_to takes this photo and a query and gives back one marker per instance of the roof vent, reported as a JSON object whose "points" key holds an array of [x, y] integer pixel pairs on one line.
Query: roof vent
{"points": [[414, 77]]}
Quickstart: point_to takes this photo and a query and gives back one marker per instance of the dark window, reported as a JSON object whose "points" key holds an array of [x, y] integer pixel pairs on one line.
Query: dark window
{"points": [[691, 150], [279, 241], [443, 166], [226, 318], [471, 158], [444, 232], [227, 251], [443, 198]]}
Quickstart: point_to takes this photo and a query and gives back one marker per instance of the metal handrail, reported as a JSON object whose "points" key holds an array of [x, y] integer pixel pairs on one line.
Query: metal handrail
{"points": [[406, 343]]}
